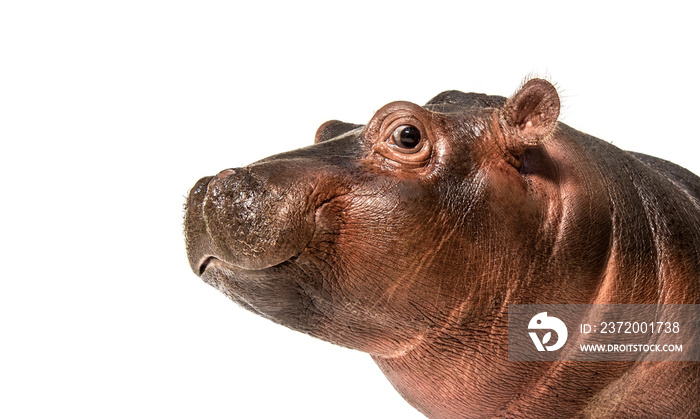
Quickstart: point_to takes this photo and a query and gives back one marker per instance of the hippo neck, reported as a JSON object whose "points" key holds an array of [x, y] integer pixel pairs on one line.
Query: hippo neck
{"points": [[655, 243], [456, 376], [461, 369]]}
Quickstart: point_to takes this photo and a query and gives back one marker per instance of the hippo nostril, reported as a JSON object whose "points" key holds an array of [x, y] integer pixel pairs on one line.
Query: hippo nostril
{"points": [[225, 173], [220, 177]]}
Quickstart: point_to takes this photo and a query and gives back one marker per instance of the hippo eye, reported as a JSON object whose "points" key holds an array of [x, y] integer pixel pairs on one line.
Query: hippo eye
{"points": [[406, 136], [404, 140]]}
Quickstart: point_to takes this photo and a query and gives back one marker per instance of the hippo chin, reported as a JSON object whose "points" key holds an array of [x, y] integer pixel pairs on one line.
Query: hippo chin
{"points": [[409, 237]]}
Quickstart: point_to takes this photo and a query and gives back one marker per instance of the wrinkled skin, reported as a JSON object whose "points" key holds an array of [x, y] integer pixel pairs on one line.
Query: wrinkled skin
{"points": [[412, 251]]}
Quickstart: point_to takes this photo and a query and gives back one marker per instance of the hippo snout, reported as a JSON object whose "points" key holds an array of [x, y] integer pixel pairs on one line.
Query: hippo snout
{"points": [[249, 219]]}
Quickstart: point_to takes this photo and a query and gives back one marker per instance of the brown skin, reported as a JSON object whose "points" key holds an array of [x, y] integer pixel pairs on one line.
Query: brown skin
{"points": [[413, 250]]}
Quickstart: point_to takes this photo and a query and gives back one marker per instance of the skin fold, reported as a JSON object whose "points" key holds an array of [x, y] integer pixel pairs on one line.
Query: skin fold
{"points": [[407, 238]]}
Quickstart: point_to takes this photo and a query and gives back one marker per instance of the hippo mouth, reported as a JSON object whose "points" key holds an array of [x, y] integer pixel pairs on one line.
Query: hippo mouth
{"points": [[220, 274], [213, 262]]}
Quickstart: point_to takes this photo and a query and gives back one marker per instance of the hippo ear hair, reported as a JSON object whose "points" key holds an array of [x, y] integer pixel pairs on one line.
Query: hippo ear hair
{"points": [[530, 115], [333, 129]]}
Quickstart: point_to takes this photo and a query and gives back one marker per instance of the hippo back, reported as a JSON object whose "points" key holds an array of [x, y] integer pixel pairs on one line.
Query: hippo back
{"points": [[655, 207]]}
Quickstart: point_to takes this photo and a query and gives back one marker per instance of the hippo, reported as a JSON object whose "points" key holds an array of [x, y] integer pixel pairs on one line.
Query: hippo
{"points": [[409, 237]]}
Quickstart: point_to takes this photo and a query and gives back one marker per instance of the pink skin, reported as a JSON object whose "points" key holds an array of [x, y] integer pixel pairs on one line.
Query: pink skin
{"points": [[413, 250]]}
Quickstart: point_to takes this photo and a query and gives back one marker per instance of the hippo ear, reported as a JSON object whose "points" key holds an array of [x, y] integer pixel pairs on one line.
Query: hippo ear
{"points": [[530, 115], [332, 129]]}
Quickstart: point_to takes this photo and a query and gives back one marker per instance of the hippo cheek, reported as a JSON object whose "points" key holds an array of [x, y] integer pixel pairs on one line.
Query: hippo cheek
{"points": [[254, 224]]}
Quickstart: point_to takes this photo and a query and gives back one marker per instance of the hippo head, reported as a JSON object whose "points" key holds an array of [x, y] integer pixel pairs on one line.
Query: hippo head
{"points": [[376, 234]]}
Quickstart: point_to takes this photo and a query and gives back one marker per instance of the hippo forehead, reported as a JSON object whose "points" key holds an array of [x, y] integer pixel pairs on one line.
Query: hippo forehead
{"points": [[455, 101]]}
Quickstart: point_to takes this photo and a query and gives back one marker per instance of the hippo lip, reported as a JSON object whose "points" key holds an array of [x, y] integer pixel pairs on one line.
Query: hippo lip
{"points": [[210, 262], [204, 263], [213, 261]]}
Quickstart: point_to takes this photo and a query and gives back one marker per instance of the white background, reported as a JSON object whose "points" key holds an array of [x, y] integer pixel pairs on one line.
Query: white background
{"points": [[110, 111]]}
